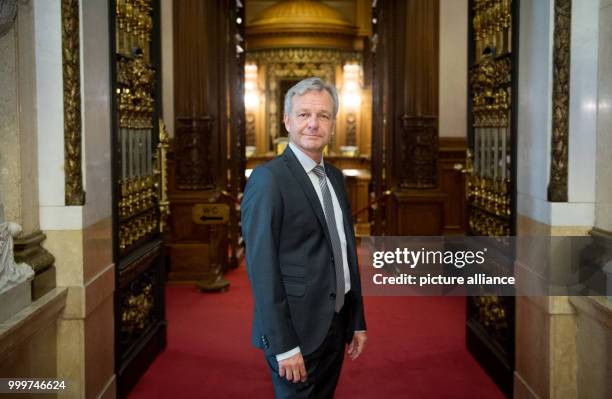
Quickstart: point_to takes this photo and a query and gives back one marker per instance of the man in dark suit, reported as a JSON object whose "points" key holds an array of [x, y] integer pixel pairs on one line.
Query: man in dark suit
{"points": [[301, 253]]}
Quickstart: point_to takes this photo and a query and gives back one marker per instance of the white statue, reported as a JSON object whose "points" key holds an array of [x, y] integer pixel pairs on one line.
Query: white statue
{"points": [[11, 273]]}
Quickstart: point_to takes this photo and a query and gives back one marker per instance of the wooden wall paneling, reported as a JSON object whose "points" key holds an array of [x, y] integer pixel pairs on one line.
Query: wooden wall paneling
{"points": [[198, 169], [414, 112], [416, 213], [436, 211], [405, 108], [380, 78], [451, 164], [199, 94]]}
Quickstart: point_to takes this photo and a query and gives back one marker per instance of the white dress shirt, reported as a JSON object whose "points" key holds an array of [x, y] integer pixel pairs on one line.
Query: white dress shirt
{"points": [[308, 164]]}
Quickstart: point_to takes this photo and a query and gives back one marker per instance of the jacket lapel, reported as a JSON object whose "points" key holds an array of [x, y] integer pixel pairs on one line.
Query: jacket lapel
{"points": [[306, 184]]}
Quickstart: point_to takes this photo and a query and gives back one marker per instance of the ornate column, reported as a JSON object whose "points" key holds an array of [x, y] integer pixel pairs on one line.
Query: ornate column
{"points": [[27, 328], [18, 118], [557, 188]]}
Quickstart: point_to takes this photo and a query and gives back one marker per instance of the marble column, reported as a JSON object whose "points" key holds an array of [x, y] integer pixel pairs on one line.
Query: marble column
{"points": [[79, 235], [603, 210], [18, 168], [548, 347], [28, 335], [594, 314]]}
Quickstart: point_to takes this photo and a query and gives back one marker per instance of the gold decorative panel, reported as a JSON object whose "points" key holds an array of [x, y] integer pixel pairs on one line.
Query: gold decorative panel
{"points": [[71, 74], [300, 23], [140, 204], [557, 189], [489, 186], [419, 155], [135, 91]]}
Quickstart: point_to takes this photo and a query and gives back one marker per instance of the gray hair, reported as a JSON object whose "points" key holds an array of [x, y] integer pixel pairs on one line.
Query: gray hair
{"points": [[310, 84]]}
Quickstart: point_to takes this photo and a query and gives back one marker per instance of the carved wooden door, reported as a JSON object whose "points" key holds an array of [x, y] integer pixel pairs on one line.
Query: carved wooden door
{"points": [[491, 192], [139, 203]]}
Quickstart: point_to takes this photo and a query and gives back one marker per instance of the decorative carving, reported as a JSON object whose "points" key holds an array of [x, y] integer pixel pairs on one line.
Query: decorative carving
{"points": [[289, 70], [28, 249], [136, 103], [8, 11], [134, 27], [490, 318], [557, 188], [193, 148], [131, 270], [302, 56], [492, 23], [132, 230], [162, 172], [71, 73], [492, 315], [289, 64], [138, 284], [136, 310], [137, 305], [351, 129], [419, 152], [489, 185], [11, 273]]}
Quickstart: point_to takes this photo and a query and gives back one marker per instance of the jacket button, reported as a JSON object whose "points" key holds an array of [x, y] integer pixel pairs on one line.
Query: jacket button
{"points": [[332, 296]]}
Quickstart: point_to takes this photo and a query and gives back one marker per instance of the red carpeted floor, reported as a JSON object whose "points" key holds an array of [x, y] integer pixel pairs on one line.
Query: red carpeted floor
{"points": [[415, 350]]}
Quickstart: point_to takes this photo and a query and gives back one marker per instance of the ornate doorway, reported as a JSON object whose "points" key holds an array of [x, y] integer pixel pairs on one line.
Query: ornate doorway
{"points": [[139, 203], [491, 174]]}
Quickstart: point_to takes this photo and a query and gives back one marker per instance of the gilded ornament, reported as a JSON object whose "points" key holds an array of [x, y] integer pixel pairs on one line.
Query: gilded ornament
{"points": [[71, 73], [300, 23], [162, 176], [557, 188]]}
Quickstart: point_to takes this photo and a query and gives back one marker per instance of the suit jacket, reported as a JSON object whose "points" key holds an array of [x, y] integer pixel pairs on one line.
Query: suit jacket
{"points": [[289, 257]]}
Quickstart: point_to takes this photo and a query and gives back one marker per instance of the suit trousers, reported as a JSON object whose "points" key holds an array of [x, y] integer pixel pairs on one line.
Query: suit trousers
{"points": [[323, 366]]}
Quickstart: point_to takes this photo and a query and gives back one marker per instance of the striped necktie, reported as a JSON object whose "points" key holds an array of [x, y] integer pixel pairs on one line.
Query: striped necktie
{"points": [[330, 218]]}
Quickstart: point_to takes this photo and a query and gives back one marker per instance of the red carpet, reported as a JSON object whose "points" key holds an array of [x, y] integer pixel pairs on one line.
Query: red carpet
{"points": [[415, 350]]}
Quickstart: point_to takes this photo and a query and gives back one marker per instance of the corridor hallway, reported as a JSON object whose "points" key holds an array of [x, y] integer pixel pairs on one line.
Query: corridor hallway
{"points": [[416, 349]]}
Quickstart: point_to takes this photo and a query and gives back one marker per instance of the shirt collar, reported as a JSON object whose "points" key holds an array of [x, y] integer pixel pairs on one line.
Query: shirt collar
{"points": [[307, 163]]}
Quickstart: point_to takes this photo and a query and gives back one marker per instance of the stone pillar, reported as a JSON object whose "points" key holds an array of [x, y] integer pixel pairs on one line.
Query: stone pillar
{"points": [[80, 236], [18, 168], [548, 329], [28, 336], [594, 314]]}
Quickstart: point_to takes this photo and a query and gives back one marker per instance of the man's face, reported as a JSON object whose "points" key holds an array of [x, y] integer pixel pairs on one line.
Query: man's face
{"points": [[311, 122]]}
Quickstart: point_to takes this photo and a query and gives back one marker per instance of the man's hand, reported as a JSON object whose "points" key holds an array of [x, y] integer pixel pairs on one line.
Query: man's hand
{"points": [[357, 344], [293, 368]]}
